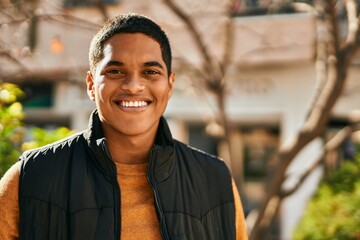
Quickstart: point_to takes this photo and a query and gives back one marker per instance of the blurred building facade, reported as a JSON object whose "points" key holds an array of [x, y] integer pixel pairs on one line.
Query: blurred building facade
{"points": [[270, 83]]}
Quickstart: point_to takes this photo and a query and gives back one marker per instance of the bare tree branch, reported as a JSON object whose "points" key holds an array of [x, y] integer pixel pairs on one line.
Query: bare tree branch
{"points": [[61, 18], [303, 7], [321, 55], [229, 40], [102, 8], [276, 200], [214, 70], [334, 143], [193, 31], [353, 24], [6, 13], [9, 56], [314, 126], [335, 80]]}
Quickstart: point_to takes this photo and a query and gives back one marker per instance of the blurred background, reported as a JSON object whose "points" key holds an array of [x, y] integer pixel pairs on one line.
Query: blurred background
{"points": [[271, 86]]}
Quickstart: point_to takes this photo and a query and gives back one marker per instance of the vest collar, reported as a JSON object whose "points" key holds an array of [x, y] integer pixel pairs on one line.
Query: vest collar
{"points": [[162, 153]]}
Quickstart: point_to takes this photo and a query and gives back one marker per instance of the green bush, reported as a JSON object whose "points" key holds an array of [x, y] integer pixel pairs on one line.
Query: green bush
{"points": [[41, 137], [12, 128], [334, 211]]}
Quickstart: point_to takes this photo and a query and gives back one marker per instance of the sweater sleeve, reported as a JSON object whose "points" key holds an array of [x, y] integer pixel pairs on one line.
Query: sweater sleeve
{"points": [[9, 207], [241, 233]]}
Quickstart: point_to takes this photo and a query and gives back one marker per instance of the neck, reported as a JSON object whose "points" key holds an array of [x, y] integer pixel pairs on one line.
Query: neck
{"points": [[130, 153], [129, 149]]}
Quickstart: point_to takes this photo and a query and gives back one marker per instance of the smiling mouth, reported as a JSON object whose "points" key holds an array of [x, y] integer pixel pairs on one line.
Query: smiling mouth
{"points": [[132, 104]]}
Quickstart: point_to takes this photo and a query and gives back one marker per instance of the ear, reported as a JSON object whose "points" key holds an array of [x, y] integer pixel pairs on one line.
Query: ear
{"points": [[171, 84], [90, 86]]}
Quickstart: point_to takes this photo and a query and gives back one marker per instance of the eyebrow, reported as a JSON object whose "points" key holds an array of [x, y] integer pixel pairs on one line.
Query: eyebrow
{"points": [[153, 64], [114, 63], [146, 64]]}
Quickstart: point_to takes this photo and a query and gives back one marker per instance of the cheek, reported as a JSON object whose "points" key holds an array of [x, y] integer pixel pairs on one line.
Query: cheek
{"points": [[100, 91], [163, 91]]}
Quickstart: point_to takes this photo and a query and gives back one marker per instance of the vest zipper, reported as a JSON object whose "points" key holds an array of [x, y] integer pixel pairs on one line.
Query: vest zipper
{"points": [[151, 179], [117, 198]]}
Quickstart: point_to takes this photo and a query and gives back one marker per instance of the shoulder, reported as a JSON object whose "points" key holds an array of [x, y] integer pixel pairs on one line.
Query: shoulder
{"points": [[11, 179], [52, 148], [51, 158], [46, 167], [9, 210], [197, 154], [198, 158]]}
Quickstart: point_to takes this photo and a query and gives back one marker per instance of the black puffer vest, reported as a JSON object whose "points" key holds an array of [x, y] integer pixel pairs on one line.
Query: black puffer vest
{"points": [[69, 190]]}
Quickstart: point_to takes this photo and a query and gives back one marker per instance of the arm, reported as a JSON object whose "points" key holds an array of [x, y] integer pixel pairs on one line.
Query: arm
{"points": [[241, 233], [9, 204]]}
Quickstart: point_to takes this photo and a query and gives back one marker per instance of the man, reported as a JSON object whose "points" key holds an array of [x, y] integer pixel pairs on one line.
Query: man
{"points": [[124, 177]]}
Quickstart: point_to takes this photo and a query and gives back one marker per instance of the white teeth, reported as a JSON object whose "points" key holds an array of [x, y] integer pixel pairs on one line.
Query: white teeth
{"points": [[133, 103]]}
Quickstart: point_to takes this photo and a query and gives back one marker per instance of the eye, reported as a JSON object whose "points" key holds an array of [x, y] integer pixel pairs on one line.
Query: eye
{"points": [[151, 72], [114, 73]]}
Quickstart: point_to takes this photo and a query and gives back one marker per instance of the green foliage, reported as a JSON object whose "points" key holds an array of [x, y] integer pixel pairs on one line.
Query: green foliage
{"points": [[334, 211], [42, 137], [12, 129]]}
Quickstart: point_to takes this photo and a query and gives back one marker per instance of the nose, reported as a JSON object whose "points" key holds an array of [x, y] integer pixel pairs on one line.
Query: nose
{"points": [[133, 84]]}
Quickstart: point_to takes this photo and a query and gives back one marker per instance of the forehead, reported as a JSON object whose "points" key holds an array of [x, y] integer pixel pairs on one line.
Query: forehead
{"points": [[131, 43]]}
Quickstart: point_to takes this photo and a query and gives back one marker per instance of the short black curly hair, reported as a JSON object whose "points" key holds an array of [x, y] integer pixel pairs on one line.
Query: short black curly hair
{"points": [[129, 23]]}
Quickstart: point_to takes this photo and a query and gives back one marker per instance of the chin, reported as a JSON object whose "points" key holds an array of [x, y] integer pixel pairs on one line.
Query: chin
{"points": [[134, 129]]}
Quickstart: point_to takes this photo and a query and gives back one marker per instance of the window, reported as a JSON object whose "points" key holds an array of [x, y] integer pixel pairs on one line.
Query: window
{"points": [[260, 147], [82, 3], [263, 7], [37, 95]]}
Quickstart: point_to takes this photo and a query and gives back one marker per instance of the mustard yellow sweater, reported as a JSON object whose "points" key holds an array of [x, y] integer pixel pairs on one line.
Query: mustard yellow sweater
{"points": [[138, 217]]}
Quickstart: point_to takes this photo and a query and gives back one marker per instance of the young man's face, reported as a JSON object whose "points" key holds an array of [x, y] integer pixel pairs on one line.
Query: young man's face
{"points": [[130, 85]]}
